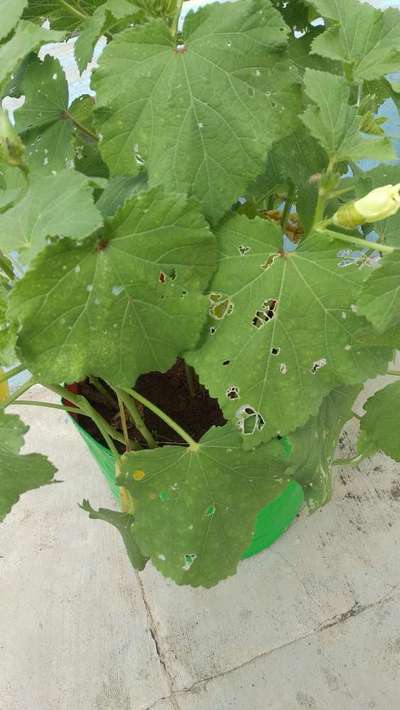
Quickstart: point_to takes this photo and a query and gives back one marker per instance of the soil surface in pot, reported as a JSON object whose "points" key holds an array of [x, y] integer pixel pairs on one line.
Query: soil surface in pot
{"points": [[194, 410]]}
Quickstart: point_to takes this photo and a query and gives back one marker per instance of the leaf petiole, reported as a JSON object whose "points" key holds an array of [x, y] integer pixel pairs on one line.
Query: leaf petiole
{"points": [[164, 416], [4, 376], [136, 418], [357, 241], [17, 393]]}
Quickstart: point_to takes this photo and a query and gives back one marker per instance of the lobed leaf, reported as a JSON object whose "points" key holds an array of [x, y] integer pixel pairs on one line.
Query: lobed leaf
{"points": [[54, 205], [338, 131], [195, 509], [125, 301], [208, 144], [43, 121], [18, 474], [283, 330], [371, 52]]}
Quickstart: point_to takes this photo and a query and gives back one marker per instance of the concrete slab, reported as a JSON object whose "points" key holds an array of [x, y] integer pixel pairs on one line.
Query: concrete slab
{"points": [[311, 623], [74, 628]]}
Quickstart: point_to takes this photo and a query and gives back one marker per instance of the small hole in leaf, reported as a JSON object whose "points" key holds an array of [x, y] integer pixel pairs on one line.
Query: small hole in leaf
{"points": [[275, 351], [243, 250], [265, 314], [248, 420], [232, 392], [162, 277], [220, 306], [226, 362], [317, 365], [212, 330]]}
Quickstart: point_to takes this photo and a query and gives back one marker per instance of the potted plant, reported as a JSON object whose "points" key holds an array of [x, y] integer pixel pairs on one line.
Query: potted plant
{"points": [[196, 260]]}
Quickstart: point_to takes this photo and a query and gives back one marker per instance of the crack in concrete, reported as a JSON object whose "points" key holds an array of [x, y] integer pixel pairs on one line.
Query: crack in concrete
{"points": [[351, 613], [160, 655]]}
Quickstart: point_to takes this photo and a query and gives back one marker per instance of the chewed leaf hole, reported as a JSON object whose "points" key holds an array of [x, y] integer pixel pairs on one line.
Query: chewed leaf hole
{"points": [[275, 351], [317, 365], [226, 362], [188, 559], [212, 330], [248, 420], [269, 261], [232, 392], [220, 305], [243, 249], [266, 313], [283, 368], [162, 277], [210, 511]]}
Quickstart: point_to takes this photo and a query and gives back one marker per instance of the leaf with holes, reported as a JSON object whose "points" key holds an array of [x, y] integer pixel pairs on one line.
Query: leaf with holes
{"points": [[283, 329], [370, 53], [195, 508], [380, 425], [313, 445], [339, 131], [208, 144], [55, 205], [126, 301], [18, 474]]}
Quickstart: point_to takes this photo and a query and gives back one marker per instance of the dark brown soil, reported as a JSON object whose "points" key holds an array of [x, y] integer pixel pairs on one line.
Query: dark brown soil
{"points": [[170, 391]]}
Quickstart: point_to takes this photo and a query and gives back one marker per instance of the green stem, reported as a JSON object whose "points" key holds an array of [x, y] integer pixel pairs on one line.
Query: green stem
{"points": [[348, 462], [165, 418], [357, 241], [136, 418], [50, 405], [395, 373], [102, 390], [84, 407], [73, 10], [11, 373], [80, 126], [190, 380], [123, 422], [20, 390], [174, 27]]}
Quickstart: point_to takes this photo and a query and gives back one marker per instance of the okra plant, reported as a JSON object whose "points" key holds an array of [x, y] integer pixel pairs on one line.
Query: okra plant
{"points": [[208, 201]]}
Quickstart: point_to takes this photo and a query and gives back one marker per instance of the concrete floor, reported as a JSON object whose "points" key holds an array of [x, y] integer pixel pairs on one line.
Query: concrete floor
{"points": [[314, 622]]}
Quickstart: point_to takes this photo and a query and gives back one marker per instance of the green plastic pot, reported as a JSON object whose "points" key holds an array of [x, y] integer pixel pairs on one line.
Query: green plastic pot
{"points": [[271, 522]]}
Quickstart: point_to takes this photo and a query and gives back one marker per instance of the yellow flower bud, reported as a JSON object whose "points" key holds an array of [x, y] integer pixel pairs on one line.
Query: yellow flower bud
{"points": [[379, 204]]}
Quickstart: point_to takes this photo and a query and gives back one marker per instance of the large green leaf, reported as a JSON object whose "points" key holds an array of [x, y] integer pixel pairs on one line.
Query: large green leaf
{"points": [[314, 445], [338, 131], [27, 38], [380, 298], [195, 509], [381, 423], [18, 474], [118, 190], [126, 301], [364, 38], [55, 205], [11, 11], [125, 524], [283, 329], [191, 139], [43, 119]]}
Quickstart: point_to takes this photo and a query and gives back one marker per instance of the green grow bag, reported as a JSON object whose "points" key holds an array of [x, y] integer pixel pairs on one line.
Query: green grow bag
{"points": [[271, 523]]}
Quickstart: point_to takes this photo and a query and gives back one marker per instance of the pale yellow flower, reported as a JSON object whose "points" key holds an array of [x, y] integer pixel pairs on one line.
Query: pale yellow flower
{"points": [[379, 204]]}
